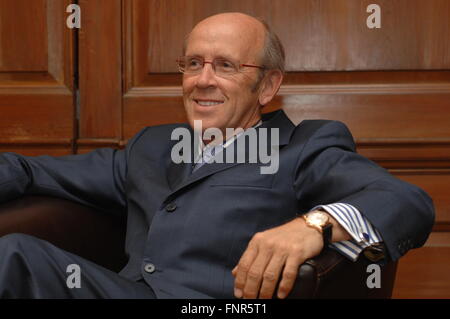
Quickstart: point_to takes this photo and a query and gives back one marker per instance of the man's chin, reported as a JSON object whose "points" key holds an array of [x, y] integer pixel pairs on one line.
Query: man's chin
{"points": [[203, 124], [206, 121]]}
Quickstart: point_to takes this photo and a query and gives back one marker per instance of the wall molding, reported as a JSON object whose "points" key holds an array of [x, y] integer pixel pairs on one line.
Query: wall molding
{"points": [[290, 89]]}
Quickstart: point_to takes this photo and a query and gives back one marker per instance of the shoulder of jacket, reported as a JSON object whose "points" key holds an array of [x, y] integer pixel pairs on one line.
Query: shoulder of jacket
{"points": [[313, 126], [155, 135], [309, 129], [316, 124]]}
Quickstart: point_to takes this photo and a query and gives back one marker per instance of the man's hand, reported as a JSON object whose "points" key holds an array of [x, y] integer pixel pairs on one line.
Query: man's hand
{"points": [[277, 251]]}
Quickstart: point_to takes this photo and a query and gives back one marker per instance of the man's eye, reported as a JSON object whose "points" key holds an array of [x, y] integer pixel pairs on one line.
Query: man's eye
{"points": [[193, 63], [225, 65]]}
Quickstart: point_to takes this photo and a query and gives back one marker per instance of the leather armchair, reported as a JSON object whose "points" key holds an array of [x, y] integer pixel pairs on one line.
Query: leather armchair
{"points": [[101, 238]]}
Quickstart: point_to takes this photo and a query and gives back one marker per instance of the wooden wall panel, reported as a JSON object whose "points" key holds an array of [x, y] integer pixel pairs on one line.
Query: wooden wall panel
{"points": [[36, 77], [318, 35], [25, 20], [100, 72], [373, 116], [438, 239], [423, 273]]}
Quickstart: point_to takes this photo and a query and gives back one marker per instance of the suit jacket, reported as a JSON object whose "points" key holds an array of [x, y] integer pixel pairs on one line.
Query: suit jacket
{"points": [[194, 227]]}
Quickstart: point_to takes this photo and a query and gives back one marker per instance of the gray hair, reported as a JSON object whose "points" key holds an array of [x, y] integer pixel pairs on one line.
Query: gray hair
{"points": [[273, 56]]}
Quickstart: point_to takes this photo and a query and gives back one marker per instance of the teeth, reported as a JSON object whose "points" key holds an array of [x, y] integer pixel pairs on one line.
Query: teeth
{"points": [[208, 103]]}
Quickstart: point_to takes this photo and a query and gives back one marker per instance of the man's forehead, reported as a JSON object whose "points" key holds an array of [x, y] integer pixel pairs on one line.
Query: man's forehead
{"points": [[235, 34], [231, 20]]}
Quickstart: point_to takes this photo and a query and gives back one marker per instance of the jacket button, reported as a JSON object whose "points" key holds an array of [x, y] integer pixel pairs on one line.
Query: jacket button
{"points": [[150, 268], [171, 207]]}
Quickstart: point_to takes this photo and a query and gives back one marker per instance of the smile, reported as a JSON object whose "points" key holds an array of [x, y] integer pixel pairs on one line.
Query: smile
{"points": [[208, 102]]}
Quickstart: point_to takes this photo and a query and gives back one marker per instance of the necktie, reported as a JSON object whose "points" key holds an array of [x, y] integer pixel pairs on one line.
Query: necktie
{"points": [[207, 157]]}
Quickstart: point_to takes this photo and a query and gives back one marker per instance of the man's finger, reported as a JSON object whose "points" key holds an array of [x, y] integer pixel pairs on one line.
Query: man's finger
{"points": [[255, 274], [242, 268], [289, 276], [271, 276]]}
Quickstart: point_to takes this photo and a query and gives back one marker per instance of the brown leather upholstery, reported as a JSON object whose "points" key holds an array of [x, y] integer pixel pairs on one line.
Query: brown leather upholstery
{"points": [[68, 225], [330, 275], [100, 238]]}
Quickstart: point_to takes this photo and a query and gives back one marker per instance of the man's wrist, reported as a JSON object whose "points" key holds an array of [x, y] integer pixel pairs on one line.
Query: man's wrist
{"points": [[321, 222], [338, 232]]}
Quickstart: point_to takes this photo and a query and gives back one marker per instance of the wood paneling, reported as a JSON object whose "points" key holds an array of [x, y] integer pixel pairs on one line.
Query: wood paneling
{"points": [[163, 110], [24, 20], [332, 35], [100, 69], [423, 273], [438, 239], [318, 35], [36, 77], [377, 116]]}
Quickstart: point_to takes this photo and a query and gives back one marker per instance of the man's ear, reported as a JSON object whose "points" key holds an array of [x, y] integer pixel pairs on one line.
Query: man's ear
{"points": [[270, 86]]}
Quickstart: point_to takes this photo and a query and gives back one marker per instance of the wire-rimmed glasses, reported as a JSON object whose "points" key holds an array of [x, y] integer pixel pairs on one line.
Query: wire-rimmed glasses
{"points": [[222, 67]]}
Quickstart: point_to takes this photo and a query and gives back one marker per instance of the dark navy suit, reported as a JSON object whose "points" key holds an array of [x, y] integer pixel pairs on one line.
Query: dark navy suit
{"points": [[194, 227]]}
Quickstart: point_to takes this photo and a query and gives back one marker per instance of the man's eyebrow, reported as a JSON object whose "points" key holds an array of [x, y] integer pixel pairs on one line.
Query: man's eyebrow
{"points": [[223, 57], [194, 55], [220, 56]]}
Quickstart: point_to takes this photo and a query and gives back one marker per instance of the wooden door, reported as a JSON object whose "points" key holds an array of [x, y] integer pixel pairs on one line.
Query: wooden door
{"points": [[36, 77]]}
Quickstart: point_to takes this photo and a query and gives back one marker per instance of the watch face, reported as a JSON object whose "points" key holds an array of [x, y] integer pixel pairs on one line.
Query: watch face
{"points": [[318, 218]]}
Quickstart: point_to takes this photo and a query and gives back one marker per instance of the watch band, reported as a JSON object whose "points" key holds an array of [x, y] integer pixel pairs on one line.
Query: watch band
{"points": [[325, 228], [327, 234]]}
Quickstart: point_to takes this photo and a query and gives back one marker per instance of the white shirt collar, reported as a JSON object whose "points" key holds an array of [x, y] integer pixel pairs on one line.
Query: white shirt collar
{"points": [[230, 140], [202, 148]]}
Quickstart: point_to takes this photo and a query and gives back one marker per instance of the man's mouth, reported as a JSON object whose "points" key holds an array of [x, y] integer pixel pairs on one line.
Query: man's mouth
{"points": [[208, 102]]}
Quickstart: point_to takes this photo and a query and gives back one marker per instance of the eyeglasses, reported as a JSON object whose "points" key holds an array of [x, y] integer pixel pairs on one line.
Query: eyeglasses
{"points": [[222, 67]]}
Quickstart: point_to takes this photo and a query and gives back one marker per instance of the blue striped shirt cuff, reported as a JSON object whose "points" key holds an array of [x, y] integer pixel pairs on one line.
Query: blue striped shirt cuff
{"points": [[361, 230]]}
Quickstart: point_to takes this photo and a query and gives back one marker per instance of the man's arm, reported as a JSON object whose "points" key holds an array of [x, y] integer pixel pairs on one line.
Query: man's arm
{"points": [[95, 179], [329, 171], [279, 251], [363, 234]]}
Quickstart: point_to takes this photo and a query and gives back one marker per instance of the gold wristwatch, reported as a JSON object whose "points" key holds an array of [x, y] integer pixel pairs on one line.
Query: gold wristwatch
{"points": [[320, 221]]}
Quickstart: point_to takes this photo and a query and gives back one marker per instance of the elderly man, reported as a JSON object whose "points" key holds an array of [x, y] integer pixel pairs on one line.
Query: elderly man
{"points": [[212, 229]]}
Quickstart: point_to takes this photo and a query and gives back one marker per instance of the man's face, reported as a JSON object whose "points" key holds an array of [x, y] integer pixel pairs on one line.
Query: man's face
{"points": [[223, 102]]}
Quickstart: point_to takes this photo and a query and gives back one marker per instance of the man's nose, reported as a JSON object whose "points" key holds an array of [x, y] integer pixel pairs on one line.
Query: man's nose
{"points": [[207, 76]]}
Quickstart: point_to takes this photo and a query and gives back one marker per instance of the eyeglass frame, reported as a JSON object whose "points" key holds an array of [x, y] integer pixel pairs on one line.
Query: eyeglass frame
{"points": [[239, 65]]}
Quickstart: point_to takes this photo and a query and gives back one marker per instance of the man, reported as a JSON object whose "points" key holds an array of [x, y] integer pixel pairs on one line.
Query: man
{"points": [[211, 229]]}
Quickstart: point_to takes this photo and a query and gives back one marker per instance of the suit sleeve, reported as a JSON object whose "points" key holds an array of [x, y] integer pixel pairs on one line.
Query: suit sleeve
{"points": [[363, 233], [95, 179], [330, 171]]}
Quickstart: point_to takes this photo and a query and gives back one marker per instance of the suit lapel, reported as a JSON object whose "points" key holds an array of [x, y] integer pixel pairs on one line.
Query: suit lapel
{"points": [[176, 173]]}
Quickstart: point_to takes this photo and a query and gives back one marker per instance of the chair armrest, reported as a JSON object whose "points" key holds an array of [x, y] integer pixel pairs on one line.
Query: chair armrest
{"points": [[81, 230], [333, 276]]}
